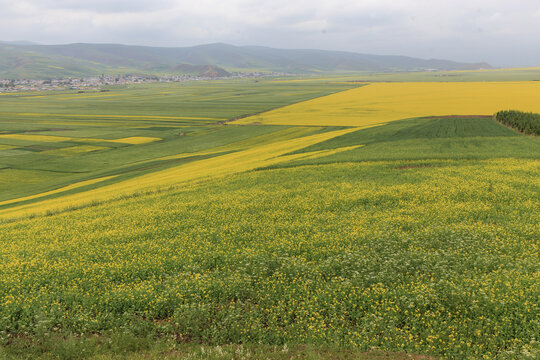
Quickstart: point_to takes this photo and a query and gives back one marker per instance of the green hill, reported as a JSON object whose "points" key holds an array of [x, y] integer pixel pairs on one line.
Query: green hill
{"points": [[34, 61]]}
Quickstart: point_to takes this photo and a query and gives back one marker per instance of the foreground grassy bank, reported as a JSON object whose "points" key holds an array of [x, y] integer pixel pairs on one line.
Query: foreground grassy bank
{"points": [[436, 257], [124, 346]]}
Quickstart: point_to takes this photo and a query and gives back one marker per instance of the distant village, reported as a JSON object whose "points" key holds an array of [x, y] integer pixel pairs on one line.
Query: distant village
{"points": [[98, 82]]}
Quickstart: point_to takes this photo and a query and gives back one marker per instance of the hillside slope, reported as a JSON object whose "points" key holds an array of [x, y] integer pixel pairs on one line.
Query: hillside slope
{"points": [[91, 59], [396, 254]]}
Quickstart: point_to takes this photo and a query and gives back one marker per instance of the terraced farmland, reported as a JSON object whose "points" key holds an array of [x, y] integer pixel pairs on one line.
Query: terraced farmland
{"points": [[402, 234]]}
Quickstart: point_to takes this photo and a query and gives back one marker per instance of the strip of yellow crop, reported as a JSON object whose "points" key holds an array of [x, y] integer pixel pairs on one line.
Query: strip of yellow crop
{"points": [[319, 153], [39, 138], [6, 147], [134, 140], [284, 134], [52, 192], [73, 150], [383, 102], [135, 117], [265, 139], [219, 166]]}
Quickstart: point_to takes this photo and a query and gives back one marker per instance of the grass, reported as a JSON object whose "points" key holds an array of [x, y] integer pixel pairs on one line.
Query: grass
{"points": [[214, 165], [428, 138], [411, 239], [124, 346], [42, 131]]}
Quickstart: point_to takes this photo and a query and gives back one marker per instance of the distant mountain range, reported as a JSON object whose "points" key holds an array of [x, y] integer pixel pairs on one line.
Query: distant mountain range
{"points": [[27, 60]]}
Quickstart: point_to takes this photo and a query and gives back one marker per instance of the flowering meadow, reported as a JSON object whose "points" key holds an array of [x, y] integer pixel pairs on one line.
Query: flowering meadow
{"points": [[412, 238], [437, 257]]}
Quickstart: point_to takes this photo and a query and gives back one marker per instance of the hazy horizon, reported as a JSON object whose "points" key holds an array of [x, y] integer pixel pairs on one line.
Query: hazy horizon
{"points": [[497, 32]]}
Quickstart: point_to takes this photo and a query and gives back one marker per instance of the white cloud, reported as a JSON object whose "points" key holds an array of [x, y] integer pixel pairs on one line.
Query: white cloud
{"points": [[498, 31]]}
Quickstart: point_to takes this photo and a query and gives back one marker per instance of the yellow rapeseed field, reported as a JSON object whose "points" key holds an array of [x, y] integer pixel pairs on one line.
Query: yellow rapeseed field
{"points": [[219, 166], [57, 191], [134, 140], [39, 138], [437, 258], [382, 102], [416, 237]]}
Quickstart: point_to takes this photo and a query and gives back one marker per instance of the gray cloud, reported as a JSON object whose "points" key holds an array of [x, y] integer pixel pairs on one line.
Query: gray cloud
{"points": [[498, 31]]}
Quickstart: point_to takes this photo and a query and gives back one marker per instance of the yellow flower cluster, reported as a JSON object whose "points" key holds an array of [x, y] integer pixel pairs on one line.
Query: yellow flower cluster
{"points": [[267, 153], [437, 257]]}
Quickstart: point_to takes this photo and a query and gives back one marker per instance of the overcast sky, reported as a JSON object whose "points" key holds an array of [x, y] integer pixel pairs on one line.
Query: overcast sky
{"points": [[502, 32]]}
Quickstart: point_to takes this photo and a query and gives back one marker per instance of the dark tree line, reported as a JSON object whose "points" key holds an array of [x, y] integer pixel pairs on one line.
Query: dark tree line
{"points": [[528, 123]]}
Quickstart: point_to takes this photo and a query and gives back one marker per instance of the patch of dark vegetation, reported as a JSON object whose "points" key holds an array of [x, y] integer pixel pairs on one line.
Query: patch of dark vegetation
{"points": [[202, 70], [41, 130], [37, 148], [527, 123]]}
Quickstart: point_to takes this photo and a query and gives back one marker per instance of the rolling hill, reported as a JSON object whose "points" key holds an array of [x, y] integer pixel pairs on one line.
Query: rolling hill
{"points": [[21, 60], [363, 222]]}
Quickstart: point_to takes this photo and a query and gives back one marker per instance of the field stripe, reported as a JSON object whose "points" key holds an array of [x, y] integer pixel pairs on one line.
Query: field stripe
{"points": [[143, 117], [215, 167], [383, 102], [57, 191]]}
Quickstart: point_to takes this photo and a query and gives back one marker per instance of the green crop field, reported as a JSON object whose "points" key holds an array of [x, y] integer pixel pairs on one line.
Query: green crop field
{"points": [[41, 134], [142, 223]]}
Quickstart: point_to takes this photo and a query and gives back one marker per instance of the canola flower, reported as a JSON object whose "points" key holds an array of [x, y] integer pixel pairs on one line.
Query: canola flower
{"points": [[57, 191], [218, 166], [435, 256], [132, 140], [401, 256], [280, 135], [376, 103], [38, 138]]}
